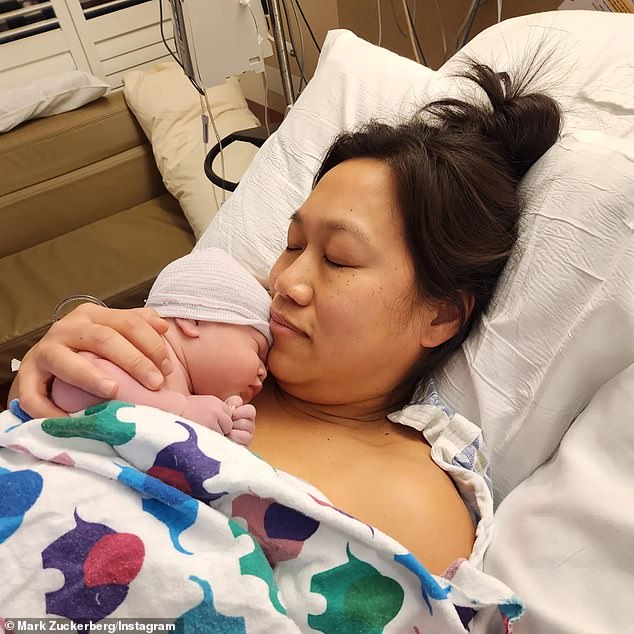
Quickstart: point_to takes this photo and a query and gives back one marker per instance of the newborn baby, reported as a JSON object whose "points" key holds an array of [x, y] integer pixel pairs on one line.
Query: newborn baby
{"points": [[218, 341]]}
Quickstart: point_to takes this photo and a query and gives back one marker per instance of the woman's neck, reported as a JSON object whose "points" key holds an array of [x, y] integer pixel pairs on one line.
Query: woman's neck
{"points": [[365, 414]]}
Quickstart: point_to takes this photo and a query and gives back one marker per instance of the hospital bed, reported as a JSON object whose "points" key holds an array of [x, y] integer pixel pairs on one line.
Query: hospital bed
{"points": [[549, 373]]}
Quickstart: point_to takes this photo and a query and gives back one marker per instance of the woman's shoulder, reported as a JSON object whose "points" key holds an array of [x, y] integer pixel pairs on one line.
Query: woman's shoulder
{"points": [[383, 475], [406, 495]]}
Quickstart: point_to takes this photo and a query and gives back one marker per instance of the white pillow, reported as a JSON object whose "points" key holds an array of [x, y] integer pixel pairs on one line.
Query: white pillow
{"points": [[563, 537], [48, 96], [169, 110], [562, 321], [532, 365], [353, 82], [356, 80], [590, 70]]}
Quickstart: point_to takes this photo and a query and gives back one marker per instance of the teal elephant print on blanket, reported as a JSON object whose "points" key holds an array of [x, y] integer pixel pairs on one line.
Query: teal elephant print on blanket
{"points": [[256, 564], [359, 598], [205, 619], [98, 423]]}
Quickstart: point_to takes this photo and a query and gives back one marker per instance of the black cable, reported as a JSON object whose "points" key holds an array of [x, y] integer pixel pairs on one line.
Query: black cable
{"points": [[163, 35], [398, 24], [299, 6], [472, 18], [411, 21], [300, 66], [193, 83]]}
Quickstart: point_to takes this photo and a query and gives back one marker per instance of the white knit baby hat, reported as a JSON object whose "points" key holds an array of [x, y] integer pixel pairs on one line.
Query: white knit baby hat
{"points": [[209, 285]]}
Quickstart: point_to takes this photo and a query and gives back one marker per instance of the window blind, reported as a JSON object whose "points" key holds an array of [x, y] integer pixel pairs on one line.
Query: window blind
{"points": [[95, 8], [23, 18]]}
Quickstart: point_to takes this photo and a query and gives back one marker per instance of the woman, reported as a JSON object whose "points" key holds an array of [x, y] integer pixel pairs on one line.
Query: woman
{"points": [[390, 261]]}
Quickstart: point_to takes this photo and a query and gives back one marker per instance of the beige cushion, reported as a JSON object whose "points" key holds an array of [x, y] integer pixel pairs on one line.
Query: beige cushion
{"points": [[38, 150], [169, 110], [102, 259]]}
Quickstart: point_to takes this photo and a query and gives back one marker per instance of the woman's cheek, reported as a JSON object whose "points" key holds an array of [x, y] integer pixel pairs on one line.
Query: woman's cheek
{"points": [[346, 317]]}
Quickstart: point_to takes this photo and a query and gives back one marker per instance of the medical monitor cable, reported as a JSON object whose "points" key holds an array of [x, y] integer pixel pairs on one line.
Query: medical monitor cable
{"points": [[266, 102], [415, 42], [302, 45], [396, 19], [378, 12], [472, 18], [442, 31], [463, 25], [169, 50], [418, 44], [161, 20], [293, 52], [204, 118], [310, 30], [206, 105], [408, 21]]}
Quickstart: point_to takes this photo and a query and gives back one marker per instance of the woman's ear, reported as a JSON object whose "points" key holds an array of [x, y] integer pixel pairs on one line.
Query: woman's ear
{"points": [[189, 327], [446, 321]]}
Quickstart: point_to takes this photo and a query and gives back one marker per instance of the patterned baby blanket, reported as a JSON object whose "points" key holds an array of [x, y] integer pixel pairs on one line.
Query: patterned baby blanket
{"points": [[127, 511]]}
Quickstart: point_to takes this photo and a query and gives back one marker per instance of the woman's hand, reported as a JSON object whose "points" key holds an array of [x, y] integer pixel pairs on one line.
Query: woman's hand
{"points": [[131, 339]]}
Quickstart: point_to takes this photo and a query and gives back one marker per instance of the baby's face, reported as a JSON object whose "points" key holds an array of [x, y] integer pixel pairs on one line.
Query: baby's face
{"points": [[227, 359]]}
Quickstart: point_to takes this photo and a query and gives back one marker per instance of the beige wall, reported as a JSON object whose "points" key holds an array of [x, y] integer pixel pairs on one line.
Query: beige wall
{"points": [[361, 17], [322, 15]]}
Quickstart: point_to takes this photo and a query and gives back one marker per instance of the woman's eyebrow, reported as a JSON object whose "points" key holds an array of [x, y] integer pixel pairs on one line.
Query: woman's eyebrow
{"points": [[336, 226]]}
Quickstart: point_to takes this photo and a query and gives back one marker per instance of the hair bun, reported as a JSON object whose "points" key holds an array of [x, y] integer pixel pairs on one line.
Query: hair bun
{"points": [[526, 124], [522, 124]]}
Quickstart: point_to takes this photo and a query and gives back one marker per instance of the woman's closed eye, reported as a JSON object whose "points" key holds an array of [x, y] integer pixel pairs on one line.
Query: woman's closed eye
{"points": [[330, 261], [334, 264]]}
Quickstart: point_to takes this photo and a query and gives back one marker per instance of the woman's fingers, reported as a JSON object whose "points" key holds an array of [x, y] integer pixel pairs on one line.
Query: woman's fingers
{"points": [[132, 340], [32, 390]]}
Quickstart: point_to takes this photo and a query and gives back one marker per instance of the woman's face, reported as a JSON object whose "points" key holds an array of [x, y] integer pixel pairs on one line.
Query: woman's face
{"points": [[344, 316]]}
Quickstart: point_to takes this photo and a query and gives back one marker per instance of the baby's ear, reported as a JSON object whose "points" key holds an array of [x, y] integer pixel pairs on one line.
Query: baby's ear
{"points": [[189, 327]]}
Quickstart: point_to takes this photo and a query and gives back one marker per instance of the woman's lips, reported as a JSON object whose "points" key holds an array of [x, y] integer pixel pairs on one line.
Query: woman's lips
{"points": [[282, 326]]}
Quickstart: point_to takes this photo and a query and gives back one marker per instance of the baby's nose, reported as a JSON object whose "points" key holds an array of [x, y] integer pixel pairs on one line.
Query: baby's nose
{"points": [[262, 372]]}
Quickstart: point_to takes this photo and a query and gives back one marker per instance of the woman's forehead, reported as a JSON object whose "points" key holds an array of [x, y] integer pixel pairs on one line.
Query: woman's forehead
{"points": [[354, 197]]}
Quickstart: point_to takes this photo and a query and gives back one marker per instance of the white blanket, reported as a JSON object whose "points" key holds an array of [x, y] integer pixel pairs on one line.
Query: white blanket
{"points": [[125, 511]]}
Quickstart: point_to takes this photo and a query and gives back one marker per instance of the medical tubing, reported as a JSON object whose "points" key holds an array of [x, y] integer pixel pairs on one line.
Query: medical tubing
{"points": [[75, 298], [299, 6]]}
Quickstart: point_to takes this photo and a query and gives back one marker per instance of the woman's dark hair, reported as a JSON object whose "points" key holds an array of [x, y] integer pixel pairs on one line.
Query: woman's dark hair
{"points": [[457, 166]]}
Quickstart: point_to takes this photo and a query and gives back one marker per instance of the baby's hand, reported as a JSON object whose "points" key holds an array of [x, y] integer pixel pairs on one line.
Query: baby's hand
{"points": [[243, 421], [209, 411]]}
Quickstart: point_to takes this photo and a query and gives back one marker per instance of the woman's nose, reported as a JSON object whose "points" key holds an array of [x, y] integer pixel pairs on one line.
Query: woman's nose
{"points": [[293, 282]]}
